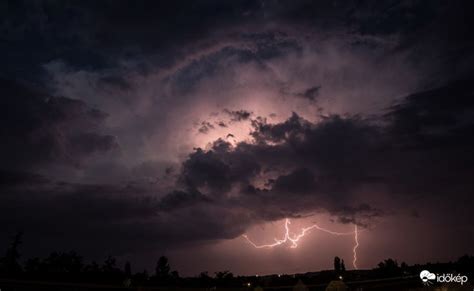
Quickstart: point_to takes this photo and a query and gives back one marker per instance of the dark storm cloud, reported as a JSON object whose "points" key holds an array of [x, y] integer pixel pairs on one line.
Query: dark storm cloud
{"points": [[333, 159], [328, 160], [39, 129], [436, 118], [57, 211], [180, 199], [311, 93], [218, 169], [265, 132], [116, 81], [221, 124], [422, 147], [221, 58], [299, 181], [91, 35], [119, 219], [16, 178], [238, 115], [363, 214], [97, 35], [205, 127], [343, 151], [206, 169], [434, 129]]}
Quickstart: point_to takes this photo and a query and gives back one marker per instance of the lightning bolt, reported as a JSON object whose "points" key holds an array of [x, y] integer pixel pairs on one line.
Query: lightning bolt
{"points": [[293, 240], [354, 249]]}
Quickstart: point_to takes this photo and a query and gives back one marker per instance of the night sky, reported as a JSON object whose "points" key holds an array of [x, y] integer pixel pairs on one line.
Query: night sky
{"points": [[147, 128]]}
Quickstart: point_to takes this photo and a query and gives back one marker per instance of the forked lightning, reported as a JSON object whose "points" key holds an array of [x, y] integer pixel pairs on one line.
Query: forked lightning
{"points": [[293, 240]]}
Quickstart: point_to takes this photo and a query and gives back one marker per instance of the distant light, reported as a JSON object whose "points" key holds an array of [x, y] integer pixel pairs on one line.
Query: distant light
{"points": [[248, 284], [279, 275], [340, 277]]}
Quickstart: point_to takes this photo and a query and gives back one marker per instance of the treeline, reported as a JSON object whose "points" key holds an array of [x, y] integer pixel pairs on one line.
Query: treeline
{"points": [[391, 268], [71, 267]]}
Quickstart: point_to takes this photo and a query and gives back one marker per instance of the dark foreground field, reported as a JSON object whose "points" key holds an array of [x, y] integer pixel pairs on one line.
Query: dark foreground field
{"points": [[397, 283]]}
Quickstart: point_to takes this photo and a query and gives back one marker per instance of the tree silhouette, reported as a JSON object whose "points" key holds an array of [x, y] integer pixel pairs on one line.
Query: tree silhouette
{"points": [[34, 265], [110, 271], [389, 267], [140, 278], [175, 275], [163, 268], [404, 266], [109, 264], [10, 263], [224, 278], [224, 275], [204, 279], [388, 264], [343, 266], [63, 262], [93, 267], [93, 271], [128, 269], [127, 282], [466, 264], [337, 264]]}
